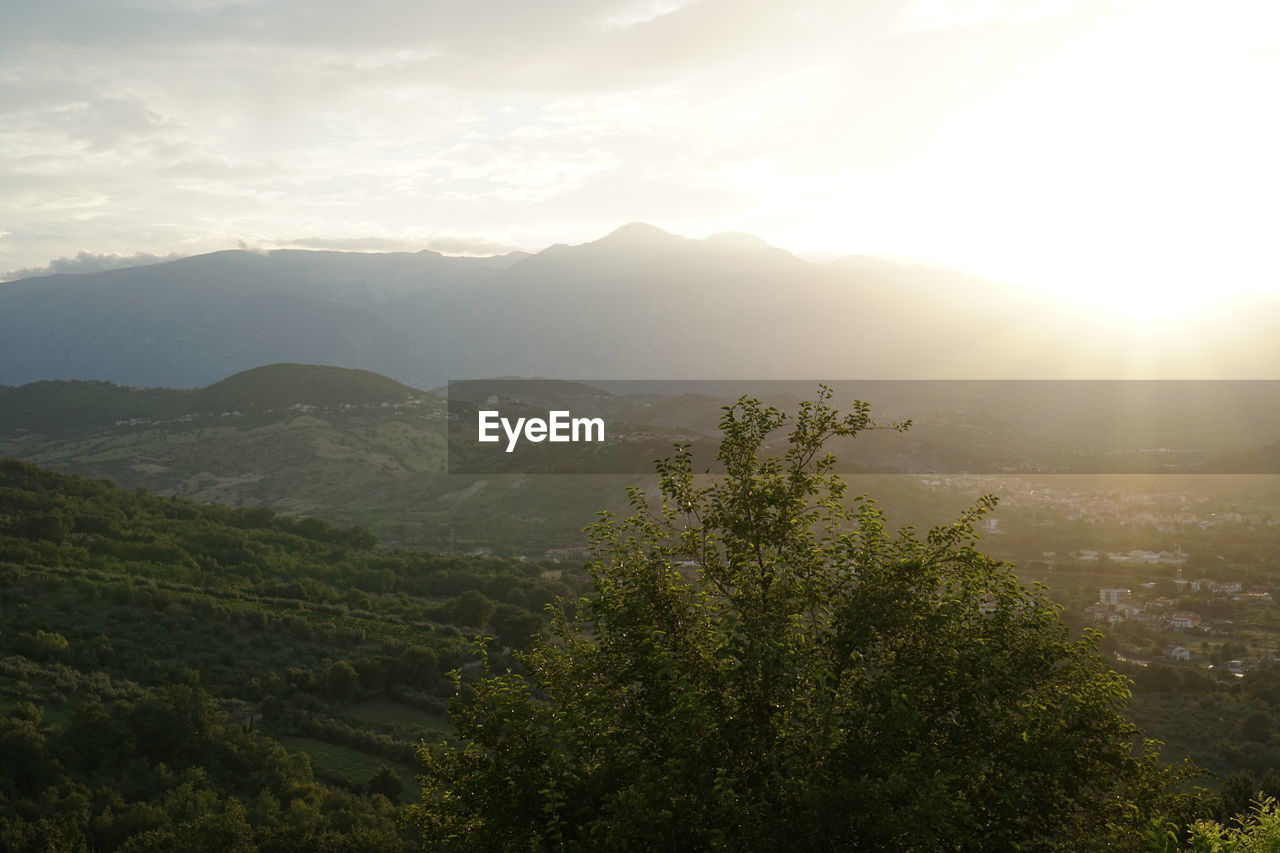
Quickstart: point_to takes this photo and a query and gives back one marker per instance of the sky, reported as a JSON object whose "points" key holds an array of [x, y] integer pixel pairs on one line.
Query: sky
{"points": [[1120, 152]]}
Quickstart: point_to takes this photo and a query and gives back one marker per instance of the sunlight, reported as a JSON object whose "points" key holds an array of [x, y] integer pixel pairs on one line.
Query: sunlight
{"points": [[1132, 174]]}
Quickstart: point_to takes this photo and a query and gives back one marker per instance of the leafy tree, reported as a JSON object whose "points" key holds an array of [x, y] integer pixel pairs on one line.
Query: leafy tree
{"points": [[50, 526], [173, 726], [1257, 832], [764, 666], [386, 782], [341, 681], [1257, 726], [472, 608], [42, 645], [1237, 792], [417, 666], [514, 628]]}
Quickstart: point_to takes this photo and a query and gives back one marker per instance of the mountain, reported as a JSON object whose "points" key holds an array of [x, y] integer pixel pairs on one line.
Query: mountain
{"points": [[1262, 460], [637, 303], [188, 322]]}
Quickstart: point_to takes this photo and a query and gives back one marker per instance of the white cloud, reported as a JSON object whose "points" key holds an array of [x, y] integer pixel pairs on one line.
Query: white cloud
{"points": [[84, 262]]}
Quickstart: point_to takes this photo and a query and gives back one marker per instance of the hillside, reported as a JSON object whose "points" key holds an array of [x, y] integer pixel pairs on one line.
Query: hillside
{"points": [[210, 671], [56, 404], [354, 447], [169, 669], [346, 445], [1262, 460]]}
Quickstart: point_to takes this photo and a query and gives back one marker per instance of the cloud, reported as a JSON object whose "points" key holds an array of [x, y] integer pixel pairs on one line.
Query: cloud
{"points": [[187, 125], [85, 262], [471, 246], [475, 247], [350, 244]]}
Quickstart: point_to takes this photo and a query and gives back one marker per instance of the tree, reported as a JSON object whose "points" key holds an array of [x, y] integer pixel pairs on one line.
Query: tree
{"points": [[1255, 831], [472, 608], [763, 665], [514, 627], [1257, 727], [340, 681], [386, 782], [174, 725], [41, 646], [50, 527], [417, 667]]}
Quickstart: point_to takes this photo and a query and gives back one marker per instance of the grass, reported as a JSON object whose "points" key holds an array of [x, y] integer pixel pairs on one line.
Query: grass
{"points": [[340, 761], [403, 720]]}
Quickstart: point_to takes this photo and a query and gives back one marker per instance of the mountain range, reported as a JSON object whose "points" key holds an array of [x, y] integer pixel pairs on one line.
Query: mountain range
{"points": [[637, 303]]}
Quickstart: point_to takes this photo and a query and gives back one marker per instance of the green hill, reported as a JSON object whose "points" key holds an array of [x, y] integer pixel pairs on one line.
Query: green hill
{"points": [[274, 386], [347, 445], [68, 404], [73, 404], [177, 670]]}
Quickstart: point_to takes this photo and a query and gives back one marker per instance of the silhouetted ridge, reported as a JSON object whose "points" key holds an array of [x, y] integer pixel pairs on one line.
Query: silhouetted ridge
{"points": [[289, 384], [639, 235]]}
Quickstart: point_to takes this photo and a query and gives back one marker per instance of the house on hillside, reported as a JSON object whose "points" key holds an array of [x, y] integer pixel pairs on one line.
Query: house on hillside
{"points": [[1097, 612], [1184, 620], [1177, 653], [1113, 596]]}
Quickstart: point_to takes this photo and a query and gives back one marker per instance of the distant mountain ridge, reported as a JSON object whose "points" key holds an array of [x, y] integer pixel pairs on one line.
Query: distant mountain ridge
{"points": [[79, 404], [188, 322], [637, 303]]}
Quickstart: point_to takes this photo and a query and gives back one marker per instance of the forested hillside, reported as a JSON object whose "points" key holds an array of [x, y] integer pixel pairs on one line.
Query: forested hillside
{"points": [[185, 676]]}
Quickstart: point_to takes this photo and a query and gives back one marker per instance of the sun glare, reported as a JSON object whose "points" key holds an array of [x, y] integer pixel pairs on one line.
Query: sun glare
{"points": [[1131, 172]]}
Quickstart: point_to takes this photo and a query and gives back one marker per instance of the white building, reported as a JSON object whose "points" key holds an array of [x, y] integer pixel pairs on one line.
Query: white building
{"points": [[1113, 596]]}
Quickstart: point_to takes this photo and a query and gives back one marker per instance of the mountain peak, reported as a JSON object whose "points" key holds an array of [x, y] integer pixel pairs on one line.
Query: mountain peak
{"points": [[638, 234]]}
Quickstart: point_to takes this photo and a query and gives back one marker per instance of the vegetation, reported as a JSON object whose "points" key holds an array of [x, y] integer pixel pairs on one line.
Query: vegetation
{"points": [[760, 667], [349, 446], [763, 661], [183, 676]]}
